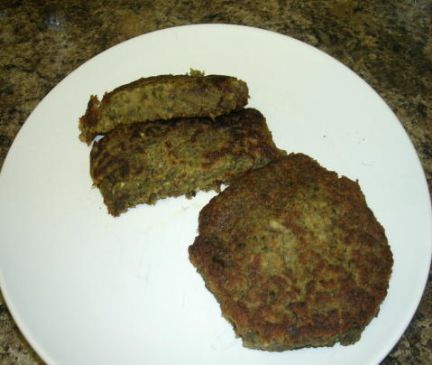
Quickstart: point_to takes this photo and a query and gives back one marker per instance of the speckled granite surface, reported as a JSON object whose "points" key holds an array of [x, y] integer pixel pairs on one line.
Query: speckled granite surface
{"points": [[388, 43]]}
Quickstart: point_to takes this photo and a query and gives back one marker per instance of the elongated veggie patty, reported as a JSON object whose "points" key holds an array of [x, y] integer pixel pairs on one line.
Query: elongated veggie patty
{"points": [[144, 162], [294, 256], [161, 98]]}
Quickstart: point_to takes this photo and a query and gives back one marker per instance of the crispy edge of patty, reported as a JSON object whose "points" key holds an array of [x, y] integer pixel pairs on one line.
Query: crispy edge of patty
{"points": [[144, 162], [284, 284], [161, 98]]}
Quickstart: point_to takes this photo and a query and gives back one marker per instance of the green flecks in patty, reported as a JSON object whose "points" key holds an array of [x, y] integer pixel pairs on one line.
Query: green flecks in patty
{"points": [[144, 162], [163, 98]]}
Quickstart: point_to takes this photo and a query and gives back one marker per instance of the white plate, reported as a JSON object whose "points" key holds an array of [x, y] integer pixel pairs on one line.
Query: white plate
{"points": [[87, 288]]}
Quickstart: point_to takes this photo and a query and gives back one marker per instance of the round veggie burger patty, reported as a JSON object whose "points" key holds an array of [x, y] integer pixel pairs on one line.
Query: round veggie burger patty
{"points": [[294, 256]]}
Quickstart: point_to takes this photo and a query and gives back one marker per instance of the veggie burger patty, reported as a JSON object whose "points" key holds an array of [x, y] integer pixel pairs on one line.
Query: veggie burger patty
{"points": [[294, 256]]}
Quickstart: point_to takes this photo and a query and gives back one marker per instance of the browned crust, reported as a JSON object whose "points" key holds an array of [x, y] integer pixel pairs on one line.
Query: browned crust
{"points": [[91, 115], [293, 255], [144, 162]]}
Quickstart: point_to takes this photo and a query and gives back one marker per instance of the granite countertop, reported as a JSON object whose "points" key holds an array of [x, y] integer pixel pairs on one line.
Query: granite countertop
{"points": [[388, 43]]}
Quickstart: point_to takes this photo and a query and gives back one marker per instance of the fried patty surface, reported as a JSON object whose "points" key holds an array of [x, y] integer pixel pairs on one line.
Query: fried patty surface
{"points": [[144, 162], [163, 97], [293, 255]]}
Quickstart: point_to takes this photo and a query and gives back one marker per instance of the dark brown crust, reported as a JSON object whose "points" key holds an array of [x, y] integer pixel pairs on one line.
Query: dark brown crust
{"points": [[144, 162], [91, 115], [293, 255], [175, 96]]}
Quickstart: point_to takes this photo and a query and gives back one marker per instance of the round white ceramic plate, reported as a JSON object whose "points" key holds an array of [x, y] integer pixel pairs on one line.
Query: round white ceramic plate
{"points": [[87, 288]]}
